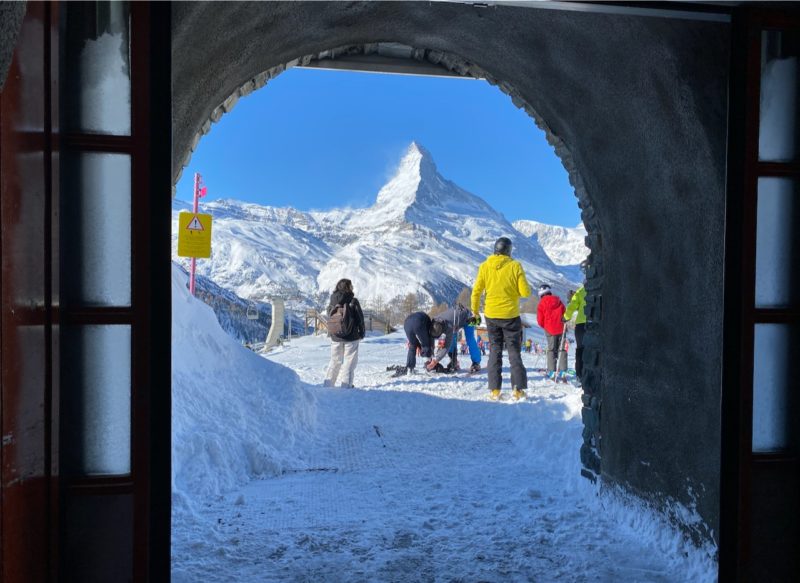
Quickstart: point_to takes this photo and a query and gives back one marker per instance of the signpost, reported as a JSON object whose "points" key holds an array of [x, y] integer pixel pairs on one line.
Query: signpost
{"points": [[194, 232]]}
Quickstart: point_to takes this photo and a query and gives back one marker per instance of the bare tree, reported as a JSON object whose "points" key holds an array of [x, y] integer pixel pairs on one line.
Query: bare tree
{"points": [[465, 297], [410, 303], [320, 300], [378, 304], [424, 301], [437, 309], [394, 309]]}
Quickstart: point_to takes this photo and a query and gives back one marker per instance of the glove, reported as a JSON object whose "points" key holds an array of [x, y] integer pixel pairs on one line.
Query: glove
{"points": [[431, 364]]}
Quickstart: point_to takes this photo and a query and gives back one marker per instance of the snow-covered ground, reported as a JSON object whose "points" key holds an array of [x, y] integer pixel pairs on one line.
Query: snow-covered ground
{"points": [[412, 479]]}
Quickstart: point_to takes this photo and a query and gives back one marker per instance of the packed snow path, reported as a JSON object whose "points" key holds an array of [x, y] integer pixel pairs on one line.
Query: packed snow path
{"points": [[423, 479]]}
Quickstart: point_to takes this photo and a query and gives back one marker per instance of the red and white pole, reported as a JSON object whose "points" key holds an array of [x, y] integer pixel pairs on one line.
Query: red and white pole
{"points": [[195, 210]]}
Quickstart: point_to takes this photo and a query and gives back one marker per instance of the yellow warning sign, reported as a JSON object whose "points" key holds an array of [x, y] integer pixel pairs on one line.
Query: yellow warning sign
{"points": [[194, 235]]}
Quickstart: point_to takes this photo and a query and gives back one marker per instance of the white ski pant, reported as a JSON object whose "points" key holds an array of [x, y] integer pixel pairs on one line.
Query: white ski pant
{"points": [[344, 357]]}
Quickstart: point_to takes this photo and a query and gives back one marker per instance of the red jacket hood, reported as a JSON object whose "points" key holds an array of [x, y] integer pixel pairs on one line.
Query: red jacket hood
{"points": [[549, 314]]}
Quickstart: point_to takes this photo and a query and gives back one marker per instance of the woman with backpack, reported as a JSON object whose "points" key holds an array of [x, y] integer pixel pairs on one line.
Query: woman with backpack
{"points": [[346, 329]]}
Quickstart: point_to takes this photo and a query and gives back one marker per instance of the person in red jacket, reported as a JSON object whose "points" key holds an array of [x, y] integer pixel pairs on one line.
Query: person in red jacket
{"points": [[550, 316]]}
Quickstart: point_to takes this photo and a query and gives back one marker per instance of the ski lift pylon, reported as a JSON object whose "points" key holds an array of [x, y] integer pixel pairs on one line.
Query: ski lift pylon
{"points": [[252, 311]]}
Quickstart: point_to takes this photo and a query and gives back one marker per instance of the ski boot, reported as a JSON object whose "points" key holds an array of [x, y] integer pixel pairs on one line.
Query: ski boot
{"points": [[551, 375], [518, 394], [400, 371], [494, 394], [476, 367]]}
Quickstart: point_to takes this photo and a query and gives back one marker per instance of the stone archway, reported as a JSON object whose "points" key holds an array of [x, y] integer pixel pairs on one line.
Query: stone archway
{"points": [[641, 102], [590, 454]]}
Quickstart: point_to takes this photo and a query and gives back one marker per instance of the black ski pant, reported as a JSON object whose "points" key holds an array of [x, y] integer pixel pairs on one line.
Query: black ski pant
{"points": [[553, 347], [505, 333], [417, 329], [580, 330]]}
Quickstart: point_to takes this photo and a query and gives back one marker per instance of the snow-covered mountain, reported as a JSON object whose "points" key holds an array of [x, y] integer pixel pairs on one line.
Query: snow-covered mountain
{"points": [[423, 234], [564, 245]]}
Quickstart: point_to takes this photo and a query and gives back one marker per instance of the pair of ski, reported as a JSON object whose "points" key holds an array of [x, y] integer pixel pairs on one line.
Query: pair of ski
{"points": [[395, 368], [456, 373]]}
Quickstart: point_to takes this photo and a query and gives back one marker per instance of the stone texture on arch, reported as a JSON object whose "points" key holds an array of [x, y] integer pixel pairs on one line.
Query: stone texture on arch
{"points": [[641, 104]]}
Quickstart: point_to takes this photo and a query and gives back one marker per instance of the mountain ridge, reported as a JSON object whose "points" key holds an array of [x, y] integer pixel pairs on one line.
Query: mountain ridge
{"points": [[423, 234]]}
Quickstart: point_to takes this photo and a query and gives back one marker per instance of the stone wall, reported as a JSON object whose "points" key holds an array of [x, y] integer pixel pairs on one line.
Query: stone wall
{"points": [[635, 106]]}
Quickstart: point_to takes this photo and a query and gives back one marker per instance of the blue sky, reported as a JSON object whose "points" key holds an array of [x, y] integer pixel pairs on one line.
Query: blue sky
{"points": [[316, 139]]}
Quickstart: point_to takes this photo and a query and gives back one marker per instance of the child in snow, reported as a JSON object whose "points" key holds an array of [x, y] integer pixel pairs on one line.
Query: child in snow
{"points": [[453, 319], [549, 315], [469, 343]]}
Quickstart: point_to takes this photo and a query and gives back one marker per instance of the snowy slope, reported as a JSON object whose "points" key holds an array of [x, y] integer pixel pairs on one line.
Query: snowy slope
{"points": [[424, 233], [235, 416], [258, 250], [565, 246]]}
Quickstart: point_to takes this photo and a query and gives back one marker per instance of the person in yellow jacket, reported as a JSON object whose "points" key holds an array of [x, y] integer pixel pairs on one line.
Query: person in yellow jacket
{"points": [[575, 308], [504, 282]]}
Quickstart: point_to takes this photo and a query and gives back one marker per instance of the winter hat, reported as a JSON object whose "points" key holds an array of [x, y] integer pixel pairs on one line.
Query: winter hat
{"points": [[437, 328], [544, 289], [502, 246]]}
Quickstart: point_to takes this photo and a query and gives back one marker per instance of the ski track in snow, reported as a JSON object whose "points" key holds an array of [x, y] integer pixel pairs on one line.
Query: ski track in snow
{"points": [[421, 478]]}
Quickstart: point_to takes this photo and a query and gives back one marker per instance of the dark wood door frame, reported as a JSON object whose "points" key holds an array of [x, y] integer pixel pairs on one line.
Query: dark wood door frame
{"points": [[739, 465], [34, 493]]}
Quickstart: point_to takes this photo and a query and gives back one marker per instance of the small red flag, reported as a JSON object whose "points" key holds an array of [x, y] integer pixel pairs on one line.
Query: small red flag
{"points": [[203, 192]]}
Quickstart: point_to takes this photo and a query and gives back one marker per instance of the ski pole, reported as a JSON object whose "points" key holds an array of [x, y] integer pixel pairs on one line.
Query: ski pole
{"points": [[560, 350]]}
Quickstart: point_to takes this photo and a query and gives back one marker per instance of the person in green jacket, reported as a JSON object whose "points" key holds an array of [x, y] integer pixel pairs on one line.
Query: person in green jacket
{"points": [[503, 280], [575, 308]]}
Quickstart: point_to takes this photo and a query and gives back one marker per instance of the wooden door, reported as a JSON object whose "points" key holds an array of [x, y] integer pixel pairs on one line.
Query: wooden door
{"points": [[85, 290], [760, 507]]}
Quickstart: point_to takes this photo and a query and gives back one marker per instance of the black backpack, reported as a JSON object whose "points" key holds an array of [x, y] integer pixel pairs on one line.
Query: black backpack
{"points": [[343, 321]]}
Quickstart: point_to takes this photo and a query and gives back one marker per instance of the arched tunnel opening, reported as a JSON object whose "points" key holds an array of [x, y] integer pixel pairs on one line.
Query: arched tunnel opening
{"points": [[376, 483], [681, 124]]}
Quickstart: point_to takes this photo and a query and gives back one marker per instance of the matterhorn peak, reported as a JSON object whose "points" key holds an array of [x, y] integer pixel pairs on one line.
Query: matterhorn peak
{"points": [[417, 161], [416, 168], [417, 190]]}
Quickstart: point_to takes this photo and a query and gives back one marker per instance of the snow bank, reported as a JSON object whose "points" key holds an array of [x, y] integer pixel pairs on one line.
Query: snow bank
{"points": [[688, 562], [235, 416]]}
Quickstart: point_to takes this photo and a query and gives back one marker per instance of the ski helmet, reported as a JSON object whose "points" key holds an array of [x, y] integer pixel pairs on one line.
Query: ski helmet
{"points": [[437, 329], [544, 289], [502, 246]]}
